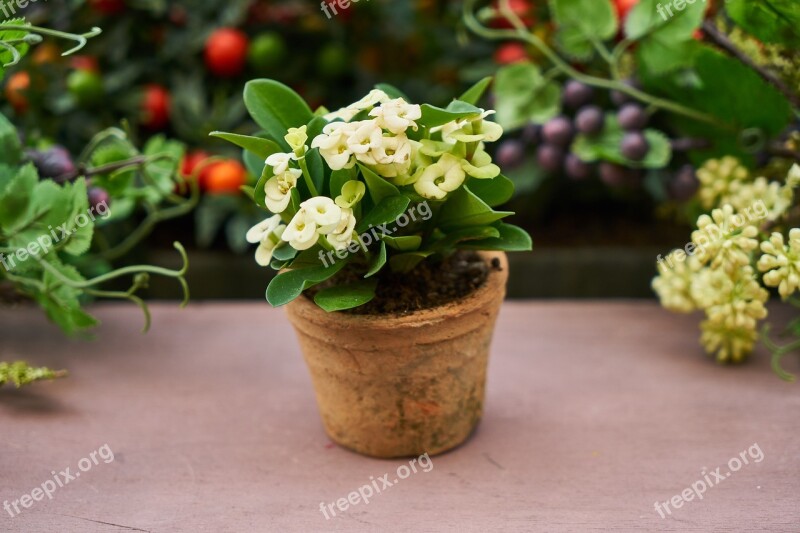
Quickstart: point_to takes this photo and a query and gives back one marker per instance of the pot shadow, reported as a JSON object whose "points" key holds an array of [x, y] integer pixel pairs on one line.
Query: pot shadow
{"points": [[28, 402]]}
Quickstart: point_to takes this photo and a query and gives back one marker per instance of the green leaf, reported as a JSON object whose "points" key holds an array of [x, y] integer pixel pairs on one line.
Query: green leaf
{"points": [[408, 261], [771, 21], [511, 239], [433, 116], [16, 197], [263, 148], [260, 192], [6, 56], [287, 286], [315, 127], [80, 238], [666, 41], [464, 208], [392, 91], [378, 187], [607, 147], [494, 192], [475, 93], [727, 89], [339, 178], [10, 148], [408, 243], [466, 234], [580, 22], [316, 168], [378, 261], [254, 164], [386, 212], [524, 95], [276, 108], [346, 296]]}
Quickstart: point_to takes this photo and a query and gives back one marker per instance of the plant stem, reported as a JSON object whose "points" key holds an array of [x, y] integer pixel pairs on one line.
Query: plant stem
{"points": [[80, 38], [521, 33], [307, 177]]}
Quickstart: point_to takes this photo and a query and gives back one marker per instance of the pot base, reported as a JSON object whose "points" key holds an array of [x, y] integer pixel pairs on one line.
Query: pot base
{"points": [[402, 386]]}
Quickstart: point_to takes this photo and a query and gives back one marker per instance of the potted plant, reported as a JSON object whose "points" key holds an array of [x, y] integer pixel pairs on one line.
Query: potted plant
{"points": [[391, 257]]}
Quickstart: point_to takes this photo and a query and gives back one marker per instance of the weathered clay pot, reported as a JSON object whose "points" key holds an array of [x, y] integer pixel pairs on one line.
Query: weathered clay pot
{"points": [[402, 386]]}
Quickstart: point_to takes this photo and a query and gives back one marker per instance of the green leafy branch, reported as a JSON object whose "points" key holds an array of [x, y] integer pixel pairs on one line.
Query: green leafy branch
{"points": [[32, 35], [521, 33], [20, 373]]}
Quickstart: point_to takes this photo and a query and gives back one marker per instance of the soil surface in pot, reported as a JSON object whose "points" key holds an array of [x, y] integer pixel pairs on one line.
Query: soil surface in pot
{"points": [[430, 284]]}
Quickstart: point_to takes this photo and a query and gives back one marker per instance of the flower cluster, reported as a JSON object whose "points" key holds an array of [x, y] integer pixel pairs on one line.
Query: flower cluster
{"points": [[721, 278], [434, 166], [781, 262], [373, 132]]}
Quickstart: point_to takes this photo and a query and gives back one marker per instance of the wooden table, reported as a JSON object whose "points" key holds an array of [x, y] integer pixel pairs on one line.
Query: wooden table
{"points": [[595, 412]]}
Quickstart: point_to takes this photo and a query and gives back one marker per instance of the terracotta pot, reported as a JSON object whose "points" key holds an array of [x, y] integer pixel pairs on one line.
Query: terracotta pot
{"points": [[402, 386]]}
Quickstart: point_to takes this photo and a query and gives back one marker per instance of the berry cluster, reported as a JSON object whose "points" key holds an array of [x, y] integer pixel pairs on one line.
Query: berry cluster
{"points": [[589, 114]]}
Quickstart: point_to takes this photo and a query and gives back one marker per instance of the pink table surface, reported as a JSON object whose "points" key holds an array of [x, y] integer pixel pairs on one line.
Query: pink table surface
{"points": [[595, 411]]}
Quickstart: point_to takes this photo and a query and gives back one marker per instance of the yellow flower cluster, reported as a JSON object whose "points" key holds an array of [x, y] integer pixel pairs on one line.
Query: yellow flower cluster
{"points": [[720, 277]]}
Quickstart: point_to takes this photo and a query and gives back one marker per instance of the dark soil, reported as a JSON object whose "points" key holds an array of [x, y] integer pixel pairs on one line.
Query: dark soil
{"points": [[430, 284]]}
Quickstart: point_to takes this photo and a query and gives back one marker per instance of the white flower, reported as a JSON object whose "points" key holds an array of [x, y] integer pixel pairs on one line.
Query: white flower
{"points": [[278, 190], [471, 129], [323, 212], [437, 180], [279, 162], [296, 138], [352, 193], [397, 115], [375, 97], [393, 156], [268, 236], [781, 262], [367, 136], [333, 144], [342, 235], [481, 166], [301, 233]]}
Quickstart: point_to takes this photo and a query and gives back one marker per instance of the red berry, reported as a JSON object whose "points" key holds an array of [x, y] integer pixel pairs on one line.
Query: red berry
{"points": [[108, 7], [155, 107], [510, 53], [87, 63], [226, 177], [226, 52], [522, 8], [624, 7]]}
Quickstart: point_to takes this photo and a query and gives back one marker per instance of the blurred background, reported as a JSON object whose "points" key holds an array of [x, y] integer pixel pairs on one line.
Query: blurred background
{"points": [[178, 68]]}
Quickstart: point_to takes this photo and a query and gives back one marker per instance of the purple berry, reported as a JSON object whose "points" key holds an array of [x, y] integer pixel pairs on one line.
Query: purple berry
{"points": [[634, 146], [558, 131], [577, 169], [577, 94], [612, 174], [632, 117], [532, 133], [684, 184], [619, 98], [590, 120], [511, 154], [53, 163], [550, 158], [98, 197]]}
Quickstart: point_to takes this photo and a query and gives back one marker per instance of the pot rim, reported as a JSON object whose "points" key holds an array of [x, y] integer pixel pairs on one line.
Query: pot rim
{"points": [[495, 282]]}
